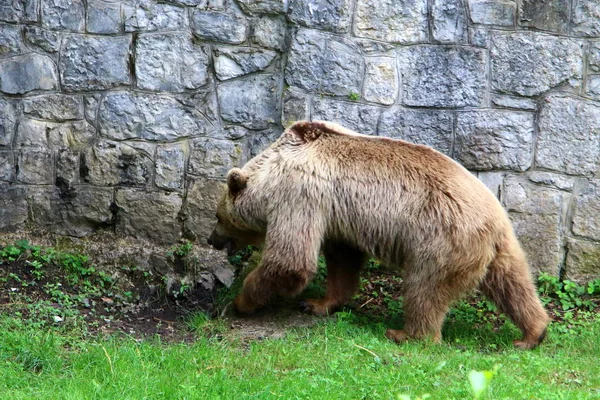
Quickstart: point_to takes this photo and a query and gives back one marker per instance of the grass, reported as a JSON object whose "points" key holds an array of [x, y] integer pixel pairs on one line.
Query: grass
{"points": [[341, 357], [338, 359]]}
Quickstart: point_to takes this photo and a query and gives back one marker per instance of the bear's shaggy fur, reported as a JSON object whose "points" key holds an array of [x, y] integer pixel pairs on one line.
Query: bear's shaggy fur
{"points": [[321, 187]]}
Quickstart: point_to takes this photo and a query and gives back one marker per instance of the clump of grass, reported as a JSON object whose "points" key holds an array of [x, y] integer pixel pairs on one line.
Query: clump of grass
{"points": [[354, 96]]}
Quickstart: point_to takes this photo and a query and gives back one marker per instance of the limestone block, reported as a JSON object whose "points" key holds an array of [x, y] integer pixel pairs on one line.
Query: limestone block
{"points": [[13, 206], [536, 213], [507, 101], [237, 61], [494, 139], [32, 134], [553, 180], [8, 121], [170, 62], [127, 115], [74, 135], [114, 163], [169, 165], [200, 207], [22, 74], [295, 107], [10, 40], [328, 15], [63, 15], [449, 21], [219, 27], [44, 39], [67, 167], [94, 62], [361, 118], [7, 166], [73, 211], [35, 167], [593, 56], [325, 64], [441, 76], [550, 15], [251, 101], [104, 17], [586, 213], [492, 12], [19, 10], [586, 18], [381, 80], [263, 6], [214, 158], [583, 261], [428, 127], [148, 15], [394, 21], [530, 63], [568, 135], [259, 141], [270, 32], [149, 215], [592, 86], [54, 107]]}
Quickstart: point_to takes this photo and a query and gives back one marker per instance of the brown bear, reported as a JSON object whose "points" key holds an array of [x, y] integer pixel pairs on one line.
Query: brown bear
{"points": [[321, 187]]}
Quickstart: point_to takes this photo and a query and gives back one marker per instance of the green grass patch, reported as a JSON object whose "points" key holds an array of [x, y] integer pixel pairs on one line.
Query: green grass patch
{"points": [[337, 359], [341, 357]]}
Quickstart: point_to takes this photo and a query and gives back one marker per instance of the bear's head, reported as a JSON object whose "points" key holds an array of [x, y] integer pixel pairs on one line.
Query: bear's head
{"points": [[233, 230]]}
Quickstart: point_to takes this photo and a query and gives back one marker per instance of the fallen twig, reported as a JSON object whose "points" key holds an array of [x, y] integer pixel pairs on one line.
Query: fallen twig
{"points": [[367, 302], [367, 350]]}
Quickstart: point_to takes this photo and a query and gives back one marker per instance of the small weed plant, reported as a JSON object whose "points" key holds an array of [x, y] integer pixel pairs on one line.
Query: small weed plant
{"points": [[47, 287], [568, 294], [354, 96], [181, 250]]}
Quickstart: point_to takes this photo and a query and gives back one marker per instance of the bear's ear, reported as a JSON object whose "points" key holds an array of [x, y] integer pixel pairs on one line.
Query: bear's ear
{"points": [[236, 180], [307, 131]]}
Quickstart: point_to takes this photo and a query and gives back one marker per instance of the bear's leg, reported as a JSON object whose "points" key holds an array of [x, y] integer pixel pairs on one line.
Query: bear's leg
{"points": [[343, 268], [509, 284], [424, 311], [266, 281], [289, 259], [429, 294]]}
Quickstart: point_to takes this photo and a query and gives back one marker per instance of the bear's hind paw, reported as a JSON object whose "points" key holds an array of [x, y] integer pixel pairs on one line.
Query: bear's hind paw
{"points": [[313, 306], [525, 345]]}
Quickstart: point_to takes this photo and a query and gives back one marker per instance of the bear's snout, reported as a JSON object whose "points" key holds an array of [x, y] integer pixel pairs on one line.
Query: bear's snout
{"points": [[220, 243], [216, 241]]}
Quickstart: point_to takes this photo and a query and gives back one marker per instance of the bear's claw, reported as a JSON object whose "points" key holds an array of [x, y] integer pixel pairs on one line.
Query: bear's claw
{"points": [[314, 307], [304, 306]]}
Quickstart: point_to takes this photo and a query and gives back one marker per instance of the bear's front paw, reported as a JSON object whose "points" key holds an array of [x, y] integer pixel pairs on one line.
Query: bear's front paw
{"points": [[243, 306], [316, 307], [397, 336]]}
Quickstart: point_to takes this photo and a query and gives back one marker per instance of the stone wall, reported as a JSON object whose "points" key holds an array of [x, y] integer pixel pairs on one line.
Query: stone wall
{"points": [[124, 115]]}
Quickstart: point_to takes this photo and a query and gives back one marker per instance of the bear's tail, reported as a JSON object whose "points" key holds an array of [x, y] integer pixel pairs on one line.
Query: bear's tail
{"points": [[509, 284]]}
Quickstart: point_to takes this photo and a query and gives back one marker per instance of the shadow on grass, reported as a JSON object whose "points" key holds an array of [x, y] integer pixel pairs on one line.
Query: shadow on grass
{"points": [[459, 331], [464, 324]]}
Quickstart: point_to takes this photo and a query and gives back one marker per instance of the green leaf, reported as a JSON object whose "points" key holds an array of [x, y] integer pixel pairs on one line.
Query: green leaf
{"points": [[480, 380]]}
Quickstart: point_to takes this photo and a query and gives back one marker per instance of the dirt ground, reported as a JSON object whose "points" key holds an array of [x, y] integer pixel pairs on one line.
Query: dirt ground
{"points": [[134, 305], [169, 322]]}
